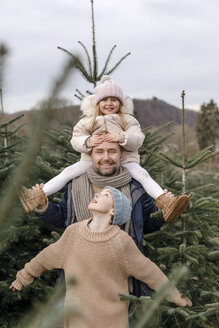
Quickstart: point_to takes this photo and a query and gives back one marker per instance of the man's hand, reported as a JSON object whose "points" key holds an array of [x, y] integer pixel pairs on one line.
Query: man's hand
{"points": [[169, 193], [38, 186], [40, 208], [112, 137]]}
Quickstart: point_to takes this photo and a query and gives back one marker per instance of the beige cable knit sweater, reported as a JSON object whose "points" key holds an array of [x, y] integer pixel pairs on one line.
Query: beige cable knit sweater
{"points": [[101, 262]]}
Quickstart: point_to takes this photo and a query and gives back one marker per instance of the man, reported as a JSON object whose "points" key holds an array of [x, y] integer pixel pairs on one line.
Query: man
{"points": [[106, 170]]}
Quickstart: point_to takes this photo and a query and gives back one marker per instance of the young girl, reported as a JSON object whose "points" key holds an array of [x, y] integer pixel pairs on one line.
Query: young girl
{"points": [[108, 118], [101, 257]]}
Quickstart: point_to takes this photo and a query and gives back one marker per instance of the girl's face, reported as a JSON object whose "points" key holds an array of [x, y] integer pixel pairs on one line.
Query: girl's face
{"points": [[109, 105]]}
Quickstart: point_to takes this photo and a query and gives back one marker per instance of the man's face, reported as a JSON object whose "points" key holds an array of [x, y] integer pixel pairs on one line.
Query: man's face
{"points": [[106, 158]]}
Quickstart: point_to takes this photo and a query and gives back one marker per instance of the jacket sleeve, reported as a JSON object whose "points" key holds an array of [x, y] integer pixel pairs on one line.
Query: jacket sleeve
{"points": [[49, 258], [133, 137], [148, 207], [80, 134], [143, 269], [55, 214]]}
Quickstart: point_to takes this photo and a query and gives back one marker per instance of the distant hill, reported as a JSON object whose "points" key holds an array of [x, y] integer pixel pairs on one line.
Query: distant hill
{"points": [[149, 112], [155, 112]]}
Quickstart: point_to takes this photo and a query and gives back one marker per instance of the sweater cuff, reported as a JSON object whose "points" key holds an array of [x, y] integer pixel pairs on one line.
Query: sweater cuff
{"points": [[87, 145], [123, 139], [17, 284]]}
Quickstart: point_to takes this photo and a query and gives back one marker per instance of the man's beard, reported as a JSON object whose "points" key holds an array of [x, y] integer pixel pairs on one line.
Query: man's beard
{"points": [[113, 170], [106, 174]]}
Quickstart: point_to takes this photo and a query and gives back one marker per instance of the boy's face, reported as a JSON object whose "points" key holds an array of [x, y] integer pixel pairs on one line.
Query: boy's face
{"points": [[102, 202]]}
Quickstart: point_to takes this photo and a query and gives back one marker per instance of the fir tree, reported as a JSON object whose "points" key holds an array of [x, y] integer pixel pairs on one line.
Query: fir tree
{"points": [[190, 241], [23, 236], [90, 73], [207, 126]]}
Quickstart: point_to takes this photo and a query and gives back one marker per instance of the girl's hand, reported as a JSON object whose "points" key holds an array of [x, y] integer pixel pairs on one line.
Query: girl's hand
{"points": [[112, 137], [168, 193], [95, 140]]}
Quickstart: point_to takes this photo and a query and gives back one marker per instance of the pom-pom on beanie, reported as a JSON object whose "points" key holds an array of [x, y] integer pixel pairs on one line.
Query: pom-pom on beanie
{"points": [[108, 88], [122, 207]]}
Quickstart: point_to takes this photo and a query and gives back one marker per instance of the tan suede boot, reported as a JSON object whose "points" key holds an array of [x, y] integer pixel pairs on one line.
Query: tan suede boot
{"points": [[172, 207], [30, 199]]}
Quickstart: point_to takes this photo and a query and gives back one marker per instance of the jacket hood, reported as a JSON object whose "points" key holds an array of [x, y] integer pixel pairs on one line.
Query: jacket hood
{"points": [[88, 106]]}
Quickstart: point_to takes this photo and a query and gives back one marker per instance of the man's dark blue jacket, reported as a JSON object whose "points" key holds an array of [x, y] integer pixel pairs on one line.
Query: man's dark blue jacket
{"points": [[61, 215]]}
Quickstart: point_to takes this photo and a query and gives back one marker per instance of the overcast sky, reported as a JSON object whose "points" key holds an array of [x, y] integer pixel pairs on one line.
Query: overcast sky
{"points": [[174, 45]]}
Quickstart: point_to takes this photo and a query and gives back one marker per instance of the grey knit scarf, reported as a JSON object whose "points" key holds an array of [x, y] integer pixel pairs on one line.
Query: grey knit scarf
{"points": [[82, 191]]}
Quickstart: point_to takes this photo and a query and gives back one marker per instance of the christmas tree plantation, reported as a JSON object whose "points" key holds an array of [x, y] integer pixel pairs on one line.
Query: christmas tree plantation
{"points": [[192, 240], [194, 246]]}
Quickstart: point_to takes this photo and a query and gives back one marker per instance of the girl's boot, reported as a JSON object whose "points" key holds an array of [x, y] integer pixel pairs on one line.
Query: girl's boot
{"points": [[30, 199], [172, 207]]}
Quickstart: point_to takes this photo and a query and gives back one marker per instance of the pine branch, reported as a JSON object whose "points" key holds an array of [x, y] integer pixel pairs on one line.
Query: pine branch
{"points": [[207, 293], [201, 153], [80, 98], [13, 132], [201, 188], [143, 150], [199, 159], [89, 92], [174, 153], [125, 297], [80, 93], [45, 167], [119, 62], [209, 156], [192, 232], [3, 150], [88, 58], [47, 315], [11, 121], [106, 63], [156, 155], [162, 127], [83, 71], [67, 52], [214, 255], [153, 306], [79, 65], [204, 199], [147, 129], [172, 161], [165, 138]]}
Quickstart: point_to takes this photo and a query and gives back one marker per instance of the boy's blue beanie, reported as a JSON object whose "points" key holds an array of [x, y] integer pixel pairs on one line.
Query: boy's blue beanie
{"points": [[122, 207]]}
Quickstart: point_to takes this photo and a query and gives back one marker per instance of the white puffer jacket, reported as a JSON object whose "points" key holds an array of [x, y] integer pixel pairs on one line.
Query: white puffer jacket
{"points": [[133, 137]]}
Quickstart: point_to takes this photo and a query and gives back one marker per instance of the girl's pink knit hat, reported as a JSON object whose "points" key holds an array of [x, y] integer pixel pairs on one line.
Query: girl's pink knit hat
{"points": [[108, 88]]}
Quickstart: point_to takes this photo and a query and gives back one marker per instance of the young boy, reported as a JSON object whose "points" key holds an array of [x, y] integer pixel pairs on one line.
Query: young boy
{"points": [[101, 257]]}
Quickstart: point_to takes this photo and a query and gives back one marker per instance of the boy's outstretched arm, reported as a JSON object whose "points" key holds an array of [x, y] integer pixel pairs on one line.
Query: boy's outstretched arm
{"points": [[49, 258], [142, 268]]}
